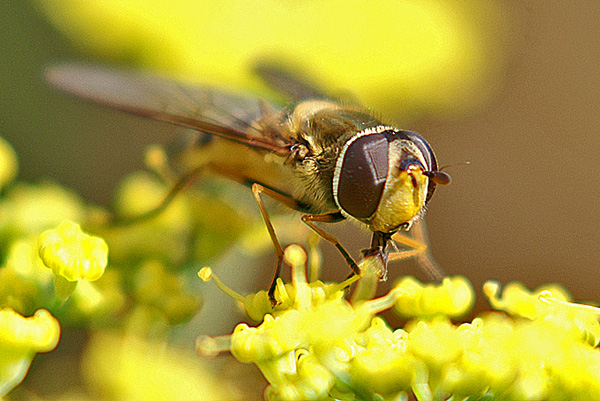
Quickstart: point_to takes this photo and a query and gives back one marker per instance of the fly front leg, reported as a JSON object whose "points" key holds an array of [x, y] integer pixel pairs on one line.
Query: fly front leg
{"points": [[258, 189], [310, 219], [418, 247], [420, 250], [425, 258]]}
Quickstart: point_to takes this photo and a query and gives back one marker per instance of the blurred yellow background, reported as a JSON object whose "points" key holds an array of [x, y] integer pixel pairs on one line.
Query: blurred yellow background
{"points": [[525, 209]]}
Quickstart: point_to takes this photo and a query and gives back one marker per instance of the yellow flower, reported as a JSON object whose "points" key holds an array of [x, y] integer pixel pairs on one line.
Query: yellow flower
{"points": [[544, 355], [72, 254], [518, 300], [316, 347], [9, 164], [312, 339], [30, 209], [454, 297], [24, 281], [20, 339], [382, 363], [257, 305], [549, 303], [308, 349], [134, 369]]}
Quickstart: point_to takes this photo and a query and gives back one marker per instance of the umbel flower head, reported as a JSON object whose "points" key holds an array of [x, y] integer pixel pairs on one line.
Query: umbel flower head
{"points": [[318, 345]]}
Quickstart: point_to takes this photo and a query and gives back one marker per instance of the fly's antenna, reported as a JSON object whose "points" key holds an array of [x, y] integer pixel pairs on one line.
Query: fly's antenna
{"points": [[440, 177]]}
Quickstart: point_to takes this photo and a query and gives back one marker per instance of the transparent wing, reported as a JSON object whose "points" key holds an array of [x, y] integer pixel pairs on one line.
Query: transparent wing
{"points": [[292, 85], [205, 109]]}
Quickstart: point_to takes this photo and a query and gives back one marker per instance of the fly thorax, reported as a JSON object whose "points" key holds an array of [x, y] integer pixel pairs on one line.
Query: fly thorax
{"points": [[304, 113]]}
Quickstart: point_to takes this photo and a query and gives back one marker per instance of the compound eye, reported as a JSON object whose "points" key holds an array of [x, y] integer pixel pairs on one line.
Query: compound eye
{"points": [[362, 175], [425, 149], [430, 161]]}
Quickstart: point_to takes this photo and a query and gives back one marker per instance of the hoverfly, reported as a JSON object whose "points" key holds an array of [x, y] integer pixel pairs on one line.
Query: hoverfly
{"points": [[329, 161]]}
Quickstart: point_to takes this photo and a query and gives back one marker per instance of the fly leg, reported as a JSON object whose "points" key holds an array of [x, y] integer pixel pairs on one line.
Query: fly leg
{"points": [[418, 247], [257, 190], [310, 219], [420, 250]]}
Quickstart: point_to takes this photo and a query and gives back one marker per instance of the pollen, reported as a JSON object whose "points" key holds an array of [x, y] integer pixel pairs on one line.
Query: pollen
{"points": [[205, 273]]}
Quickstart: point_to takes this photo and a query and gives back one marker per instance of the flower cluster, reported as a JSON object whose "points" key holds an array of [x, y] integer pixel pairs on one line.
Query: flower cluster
{"points": [[52, 270], [317, 345]]}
